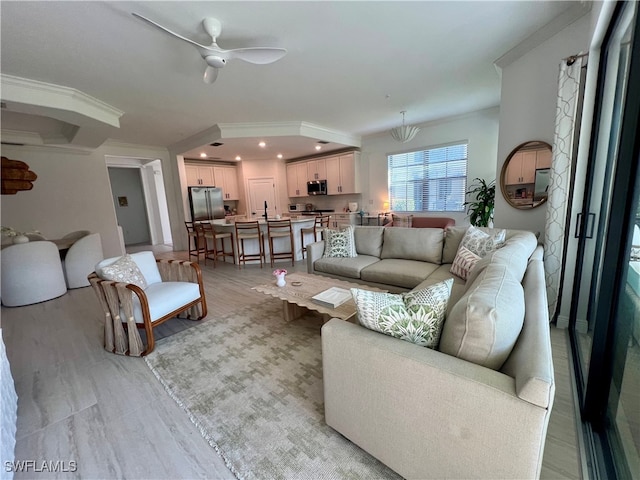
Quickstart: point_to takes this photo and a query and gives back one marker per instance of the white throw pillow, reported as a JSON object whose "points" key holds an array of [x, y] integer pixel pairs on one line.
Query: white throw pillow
{"points": [[464, 262], [124, 270], [482, 243], [416, 316], [339, 243]]}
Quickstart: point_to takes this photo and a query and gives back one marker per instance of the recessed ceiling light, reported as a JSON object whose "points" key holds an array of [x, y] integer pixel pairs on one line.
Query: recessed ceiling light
{"points": [[279, 155], [318, 147], [203, 155], [262, 144], [238, 157]]}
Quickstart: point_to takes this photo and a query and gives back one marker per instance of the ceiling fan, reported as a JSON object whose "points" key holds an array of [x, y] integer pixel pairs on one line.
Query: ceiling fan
{"points": [[215, 56]]}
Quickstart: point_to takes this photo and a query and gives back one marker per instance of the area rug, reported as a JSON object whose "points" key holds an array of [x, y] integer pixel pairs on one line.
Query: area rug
{"points": [[252, 384]]}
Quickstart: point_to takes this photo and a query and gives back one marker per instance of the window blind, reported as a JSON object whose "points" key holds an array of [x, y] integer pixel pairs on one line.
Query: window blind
{"points": [[434, 179]]}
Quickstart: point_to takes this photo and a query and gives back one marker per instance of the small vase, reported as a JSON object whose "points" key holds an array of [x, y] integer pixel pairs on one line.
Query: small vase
{"points": [[280, 280], [20, 239]]}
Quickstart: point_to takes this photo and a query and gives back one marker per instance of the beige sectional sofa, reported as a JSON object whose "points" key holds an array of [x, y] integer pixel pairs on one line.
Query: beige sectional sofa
{"points": [[476, 407]]}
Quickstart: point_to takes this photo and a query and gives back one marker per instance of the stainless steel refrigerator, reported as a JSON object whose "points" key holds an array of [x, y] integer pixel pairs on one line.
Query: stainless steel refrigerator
{"points": [[206, 203]]}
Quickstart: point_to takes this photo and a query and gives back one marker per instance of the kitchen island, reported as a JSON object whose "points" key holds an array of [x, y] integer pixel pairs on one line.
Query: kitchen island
{"points": [[279, 244]]}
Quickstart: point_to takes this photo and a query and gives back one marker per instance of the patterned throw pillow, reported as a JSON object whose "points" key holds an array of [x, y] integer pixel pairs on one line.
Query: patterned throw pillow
{"points": [[339, 243], [464, 262], [482, 243], [416, 316], [402, 220], [124, 270]]}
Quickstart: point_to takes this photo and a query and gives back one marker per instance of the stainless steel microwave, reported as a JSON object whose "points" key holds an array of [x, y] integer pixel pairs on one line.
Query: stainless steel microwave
{"points": [[317, 187]]}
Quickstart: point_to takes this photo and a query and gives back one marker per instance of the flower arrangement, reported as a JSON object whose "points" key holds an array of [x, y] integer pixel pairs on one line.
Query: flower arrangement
{"points": [[11, 232], [279, 271]]}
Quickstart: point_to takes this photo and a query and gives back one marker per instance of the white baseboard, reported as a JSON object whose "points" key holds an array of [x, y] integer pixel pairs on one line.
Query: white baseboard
{"points": [[562, 322]]}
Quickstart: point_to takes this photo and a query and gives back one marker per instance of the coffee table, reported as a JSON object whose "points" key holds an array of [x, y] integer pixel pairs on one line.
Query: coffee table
{"points": [[296, 299]]}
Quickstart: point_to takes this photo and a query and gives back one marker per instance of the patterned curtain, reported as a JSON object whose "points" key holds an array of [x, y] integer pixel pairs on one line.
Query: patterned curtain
{"points": [[567, 129]]}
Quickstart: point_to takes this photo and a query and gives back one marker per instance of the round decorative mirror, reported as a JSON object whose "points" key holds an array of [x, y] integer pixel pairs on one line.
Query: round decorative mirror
{"points": [[524, 180]]}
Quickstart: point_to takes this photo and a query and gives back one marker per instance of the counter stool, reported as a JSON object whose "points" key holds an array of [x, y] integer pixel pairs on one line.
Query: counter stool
{"points": [[281, 229], [249, 231], [194, 231], [214, 253], [322, 221]]}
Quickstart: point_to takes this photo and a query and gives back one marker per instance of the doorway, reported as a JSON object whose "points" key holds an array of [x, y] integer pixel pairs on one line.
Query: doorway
{"points": [[604, 323], [262, 193], [130, 205]]}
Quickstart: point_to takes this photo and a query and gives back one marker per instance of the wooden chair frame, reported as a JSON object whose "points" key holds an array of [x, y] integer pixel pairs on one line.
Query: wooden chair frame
{"points": [[195, 232], [321, 222], [281, 229], [251, 226], [213, 253], [115, 295]]}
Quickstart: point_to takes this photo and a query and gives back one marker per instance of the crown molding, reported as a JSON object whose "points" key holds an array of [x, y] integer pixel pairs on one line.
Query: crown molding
{"points": [[17, 90]]}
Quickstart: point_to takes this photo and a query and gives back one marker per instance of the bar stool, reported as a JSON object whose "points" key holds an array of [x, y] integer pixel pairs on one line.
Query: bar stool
{"points": [[281, 229], [322, 221], [249, 231], [194, 231], [213, 253]]}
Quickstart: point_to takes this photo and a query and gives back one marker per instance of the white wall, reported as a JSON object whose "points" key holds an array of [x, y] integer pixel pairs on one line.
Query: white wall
{"points": [[72, 192], [480, 129], [528, 109]]}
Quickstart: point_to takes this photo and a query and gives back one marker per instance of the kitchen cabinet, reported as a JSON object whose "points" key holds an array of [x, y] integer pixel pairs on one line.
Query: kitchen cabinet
{"points": [[341, 220], [522, 168], [198, 175], [316, 169], [543, 159], [297, 179], [343, 173], [226, 178]]}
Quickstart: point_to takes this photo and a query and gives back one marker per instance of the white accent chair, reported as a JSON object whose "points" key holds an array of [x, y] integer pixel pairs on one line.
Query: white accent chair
{"points": [[174, 287], [31, 273], [81, 259], [77, 234]]}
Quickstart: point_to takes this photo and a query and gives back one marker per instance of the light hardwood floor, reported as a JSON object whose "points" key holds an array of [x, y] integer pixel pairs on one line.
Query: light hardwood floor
{"points": [[109, 414]]}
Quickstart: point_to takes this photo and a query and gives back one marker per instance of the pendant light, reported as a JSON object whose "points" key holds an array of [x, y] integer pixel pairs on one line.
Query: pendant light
{"points": [[404, 133]]}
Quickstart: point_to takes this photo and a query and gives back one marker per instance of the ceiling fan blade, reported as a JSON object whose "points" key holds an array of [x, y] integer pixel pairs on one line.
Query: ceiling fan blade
{"points": [[257, 55], [157, 25], [210, 74]]}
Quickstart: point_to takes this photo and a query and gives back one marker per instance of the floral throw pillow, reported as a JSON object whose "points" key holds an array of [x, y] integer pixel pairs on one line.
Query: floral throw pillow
{"points": [[464, 262], [124, 270], [482, 243], [416, 316], [339, 243]]}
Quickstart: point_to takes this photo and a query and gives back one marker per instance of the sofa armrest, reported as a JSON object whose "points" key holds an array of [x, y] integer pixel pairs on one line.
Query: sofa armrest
{"points": [[314, 252], [424, 413]]}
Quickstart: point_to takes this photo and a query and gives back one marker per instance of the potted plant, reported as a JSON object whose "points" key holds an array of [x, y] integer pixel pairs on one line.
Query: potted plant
{"points": [[480, 209]]}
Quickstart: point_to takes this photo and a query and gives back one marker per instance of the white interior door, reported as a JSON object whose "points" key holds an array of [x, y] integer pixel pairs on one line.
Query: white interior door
{"points": [[262, 190]]}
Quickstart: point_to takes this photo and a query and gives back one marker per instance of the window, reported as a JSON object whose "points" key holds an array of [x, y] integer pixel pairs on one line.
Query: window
{"points": [[429, 180]]}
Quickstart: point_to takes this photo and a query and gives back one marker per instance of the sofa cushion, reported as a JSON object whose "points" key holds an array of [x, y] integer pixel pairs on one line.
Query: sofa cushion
{"points": [[423, 244], [416, 316], [345, 267], [339, 243], [483, 326], [402, 273], [464, 262], [164, 298], [124, 270], [482, 243], [369, 240]]}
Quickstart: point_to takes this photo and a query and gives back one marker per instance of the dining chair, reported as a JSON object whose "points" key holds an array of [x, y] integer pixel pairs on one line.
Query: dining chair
{"points": [[280, 229], [249, 230]]}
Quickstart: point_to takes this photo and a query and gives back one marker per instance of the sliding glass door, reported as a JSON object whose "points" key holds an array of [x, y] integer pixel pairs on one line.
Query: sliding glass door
{"points": [[605, 309]]}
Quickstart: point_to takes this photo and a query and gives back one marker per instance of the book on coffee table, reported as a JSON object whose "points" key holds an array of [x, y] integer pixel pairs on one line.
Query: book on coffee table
{"points": [[332, 297]]}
